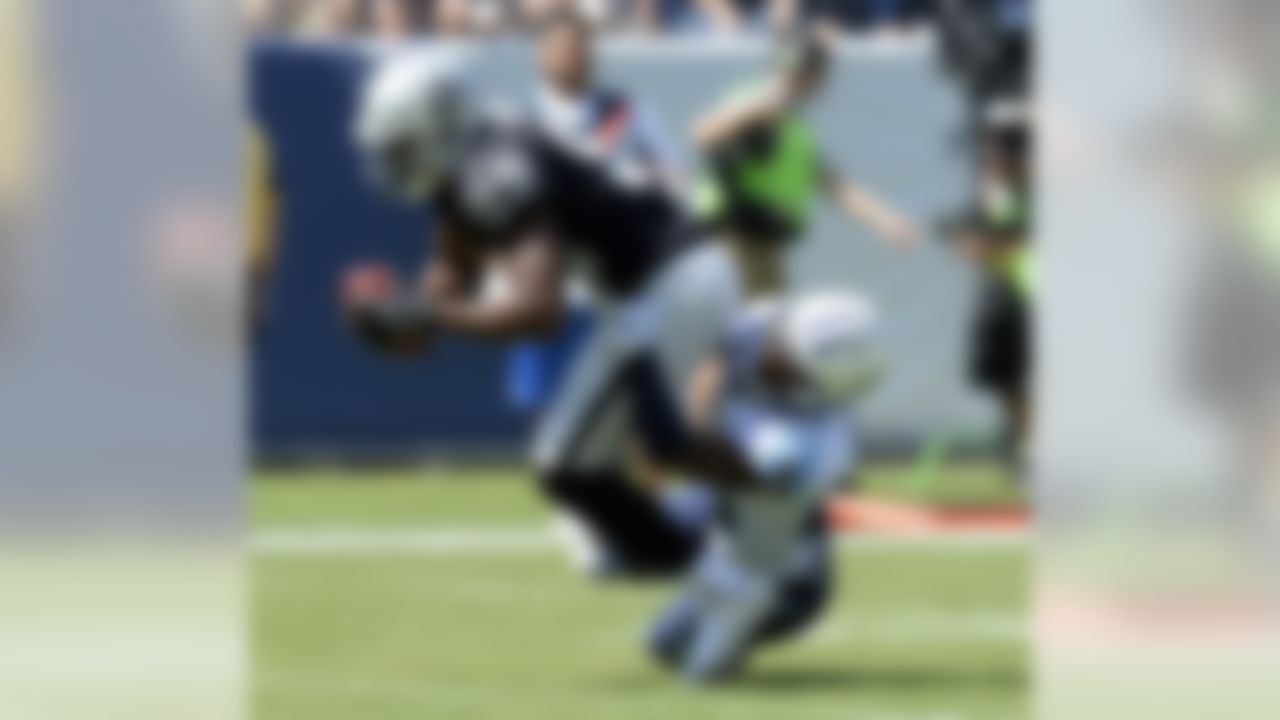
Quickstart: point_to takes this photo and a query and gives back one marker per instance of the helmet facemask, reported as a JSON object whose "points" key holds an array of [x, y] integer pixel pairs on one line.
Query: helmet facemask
{"points": [[413, 120]]}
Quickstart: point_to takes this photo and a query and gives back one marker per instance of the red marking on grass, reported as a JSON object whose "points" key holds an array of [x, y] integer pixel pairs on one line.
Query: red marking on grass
{"points": [[864, 514]]}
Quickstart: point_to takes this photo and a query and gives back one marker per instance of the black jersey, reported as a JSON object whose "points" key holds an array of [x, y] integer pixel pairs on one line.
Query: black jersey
{"points": [[608, 213]]}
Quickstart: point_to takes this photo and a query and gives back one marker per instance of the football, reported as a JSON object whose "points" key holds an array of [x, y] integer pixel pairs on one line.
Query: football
{"points": [[368, 284]]}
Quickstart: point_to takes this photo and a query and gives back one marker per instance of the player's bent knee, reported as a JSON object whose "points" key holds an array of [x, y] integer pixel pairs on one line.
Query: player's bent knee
{"points": [[625, 529], [799, 606], [672, 633], [556, 484]]}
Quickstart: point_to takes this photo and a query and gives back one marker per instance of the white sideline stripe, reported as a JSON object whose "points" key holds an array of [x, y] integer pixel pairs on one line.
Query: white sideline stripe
{"points": [[439, 541], [499, 540]]}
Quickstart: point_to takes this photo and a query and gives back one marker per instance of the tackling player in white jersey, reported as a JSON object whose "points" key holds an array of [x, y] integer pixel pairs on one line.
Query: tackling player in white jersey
{"points": [[778, 391]]}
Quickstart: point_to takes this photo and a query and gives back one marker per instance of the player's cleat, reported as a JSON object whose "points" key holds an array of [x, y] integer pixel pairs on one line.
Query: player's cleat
{"points": [[587, 553]]}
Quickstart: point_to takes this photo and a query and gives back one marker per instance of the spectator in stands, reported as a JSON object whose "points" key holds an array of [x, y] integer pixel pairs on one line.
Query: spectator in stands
{"points": [[394, 19], [536, 12], [868, 15], [474, 17], [260, 16], [399, 18], [331, 18], [736, 16], [451, 17], [624, 16], [638, 16]]}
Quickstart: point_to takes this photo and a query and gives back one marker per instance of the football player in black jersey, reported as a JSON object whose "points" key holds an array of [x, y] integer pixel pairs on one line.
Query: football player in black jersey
{"points": [[515, 204]]}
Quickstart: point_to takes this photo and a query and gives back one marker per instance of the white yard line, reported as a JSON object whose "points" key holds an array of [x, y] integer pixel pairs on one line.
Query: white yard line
{"points": [[495, 540], [528, 540]]}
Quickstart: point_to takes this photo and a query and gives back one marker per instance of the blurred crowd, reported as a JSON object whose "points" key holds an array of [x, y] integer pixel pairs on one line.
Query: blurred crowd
{"points": [[394, 19]]}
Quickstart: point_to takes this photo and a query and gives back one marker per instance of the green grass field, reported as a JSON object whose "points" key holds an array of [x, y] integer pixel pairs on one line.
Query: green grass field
{"points": [[434, 595]]}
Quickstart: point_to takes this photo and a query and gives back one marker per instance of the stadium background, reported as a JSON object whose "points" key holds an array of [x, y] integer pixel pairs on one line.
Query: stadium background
{"points": [[891, 118]]}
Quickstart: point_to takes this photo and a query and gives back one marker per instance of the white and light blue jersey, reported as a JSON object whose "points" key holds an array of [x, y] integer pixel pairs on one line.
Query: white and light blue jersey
{"points": [[765, 567], [800, 449]]}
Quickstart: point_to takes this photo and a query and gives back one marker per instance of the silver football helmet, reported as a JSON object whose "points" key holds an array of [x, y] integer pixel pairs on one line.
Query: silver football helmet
{"points": [[413, 117]]}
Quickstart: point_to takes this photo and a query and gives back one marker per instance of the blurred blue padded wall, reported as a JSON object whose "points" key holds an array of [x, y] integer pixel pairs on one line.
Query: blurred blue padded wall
{"points": [[890, 119], [315, 391]]}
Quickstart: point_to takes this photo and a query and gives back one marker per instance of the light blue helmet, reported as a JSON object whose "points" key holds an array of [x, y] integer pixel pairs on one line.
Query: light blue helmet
{"points": [[828, 336]]}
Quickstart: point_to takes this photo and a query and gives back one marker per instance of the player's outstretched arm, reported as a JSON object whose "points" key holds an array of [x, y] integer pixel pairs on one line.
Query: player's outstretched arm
{"points": [[706, 388], [717, 462], [669, 437], [722, 14], [533, 268], [454, 271], [396, 318], [862, 205], [728, 121], [382, 311]]}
